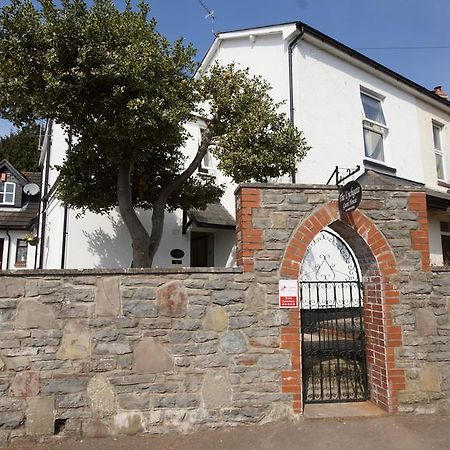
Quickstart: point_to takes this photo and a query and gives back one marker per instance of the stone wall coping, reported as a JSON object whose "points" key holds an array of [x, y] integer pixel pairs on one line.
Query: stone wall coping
{"points": [[326, 187], [440, 269], [119, 271]]}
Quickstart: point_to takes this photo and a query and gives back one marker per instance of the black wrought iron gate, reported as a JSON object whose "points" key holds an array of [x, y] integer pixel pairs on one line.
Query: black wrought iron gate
{"points": [[333, 350]]}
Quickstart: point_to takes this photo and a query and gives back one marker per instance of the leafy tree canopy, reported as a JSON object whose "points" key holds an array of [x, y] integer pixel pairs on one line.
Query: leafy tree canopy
{"points": [[20, 148], [124, 94]]}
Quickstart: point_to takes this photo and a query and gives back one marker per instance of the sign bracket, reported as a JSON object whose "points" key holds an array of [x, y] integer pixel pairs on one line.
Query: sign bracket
{"points": [[348, 172]]}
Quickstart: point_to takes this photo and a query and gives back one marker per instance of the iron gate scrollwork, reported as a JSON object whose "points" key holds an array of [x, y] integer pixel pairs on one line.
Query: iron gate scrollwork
{"points": [[333, 344]]}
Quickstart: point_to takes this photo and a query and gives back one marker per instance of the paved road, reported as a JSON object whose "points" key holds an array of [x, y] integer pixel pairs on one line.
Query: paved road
{"points": [[380, 433]]}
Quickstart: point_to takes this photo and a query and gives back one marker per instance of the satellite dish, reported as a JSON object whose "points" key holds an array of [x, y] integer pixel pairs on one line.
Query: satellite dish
{"points": [[31, 189]]}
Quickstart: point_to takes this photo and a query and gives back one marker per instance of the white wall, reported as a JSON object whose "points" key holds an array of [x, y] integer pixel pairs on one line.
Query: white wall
{"points": [[14, 235], [103, 241]]}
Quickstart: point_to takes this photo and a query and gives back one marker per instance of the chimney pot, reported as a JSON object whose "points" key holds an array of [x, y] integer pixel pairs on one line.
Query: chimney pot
{"points": [[438, 91]]}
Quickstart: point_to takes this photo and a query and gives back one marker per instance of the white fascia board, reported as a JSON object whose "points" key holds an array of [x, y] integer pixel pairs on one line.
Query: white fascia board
{"points": [[287, 31], [373, 71]]}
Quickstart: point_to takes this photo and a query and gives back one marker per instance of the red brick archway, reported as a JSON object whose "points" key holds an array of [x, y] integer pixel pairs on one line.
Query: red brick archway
{"points": [[379, 272]]}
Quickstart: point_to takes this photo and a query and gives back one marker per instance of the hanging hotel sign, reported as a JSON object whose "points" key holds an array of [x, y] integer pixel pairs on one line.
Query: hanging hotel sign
{"points": [[288, 294], [350, 196]]}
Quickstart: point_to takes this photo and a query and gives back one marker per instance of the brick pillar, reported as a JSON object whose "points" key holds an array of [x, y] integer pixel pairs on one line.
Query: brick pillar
{"points": [[248, 239], [417, 203]]}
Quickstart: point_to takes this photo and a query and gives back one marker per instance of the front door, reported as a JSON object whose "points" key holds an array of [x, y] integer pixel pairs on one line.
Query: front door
{"points": [[332, 323]]}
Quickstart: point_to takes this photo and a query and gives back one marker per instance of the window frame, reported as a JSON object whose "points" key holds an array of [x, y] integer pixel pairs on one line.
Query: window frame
{"points": [[3, 192], [445, 233], [373, 126], [203, 169], [439, 152], [21, 243]]}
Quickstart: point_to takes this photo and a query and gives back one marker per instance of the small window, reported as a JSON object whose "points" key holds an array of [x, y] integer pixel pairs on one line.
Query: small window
{"points": [[207, 166], [374, 127], [21, 252], [7, 193], [438, 151]]}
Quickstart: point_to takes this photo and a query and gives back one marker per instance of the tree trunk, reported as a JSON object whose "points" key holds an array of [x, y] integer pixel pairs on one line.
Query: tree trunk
{"points": [[145, 245], [139, 235], [159, 206], [158, 211]]}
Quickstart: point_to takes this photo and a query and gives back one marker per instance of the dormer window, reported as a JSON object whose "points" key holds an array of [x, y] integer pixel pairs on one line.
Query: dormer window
{"points": [[7, 193]]}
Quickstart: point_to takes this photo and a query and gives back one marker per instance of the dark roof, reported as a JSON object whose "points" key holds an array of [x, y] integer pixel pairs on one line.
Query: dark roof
{"points": [[22, 218], [374, 178], [304, 28], [214, 216], [9, 167], [435, 199]]}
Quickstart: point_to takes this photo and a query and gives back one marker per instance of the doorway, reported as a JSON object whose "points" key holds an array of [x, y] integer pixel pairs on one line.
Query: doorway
{"points": [[332, 323], [202, 249], [2, 243]]}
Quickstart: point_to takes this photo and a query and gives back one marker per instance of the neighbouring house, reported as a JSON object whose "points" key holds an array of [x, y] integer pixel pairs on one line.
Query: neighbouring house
{"points": [[354, 112], [19, 214]]}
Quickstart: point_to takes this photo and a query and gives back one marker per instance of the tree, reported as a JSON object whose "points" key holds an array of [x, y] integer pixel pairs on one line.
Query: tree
{"points": [[20, 148], [125, 94]]}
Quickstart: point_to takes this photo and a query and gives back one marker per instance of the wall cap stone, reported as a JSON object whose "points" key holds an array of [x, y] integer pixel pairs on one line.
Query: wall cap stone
{"points": [[325, 187], [118, 271]]}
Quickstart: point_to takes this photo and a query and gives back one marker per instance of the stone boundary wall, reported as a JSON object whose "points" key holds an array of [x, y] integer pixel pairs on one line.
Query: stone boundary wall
{"points": [[97, 353], [101, 352]]}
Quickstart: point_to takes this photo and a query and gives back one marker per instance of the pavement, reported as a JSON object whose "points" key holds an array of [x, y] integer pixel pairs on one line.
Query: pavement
{"points": [[399, 432]]}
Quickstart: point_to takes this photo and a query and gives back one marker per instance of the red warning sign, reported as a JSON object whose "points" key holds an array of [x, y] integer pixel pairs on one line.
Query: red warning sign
{"points": [[288, 294]]}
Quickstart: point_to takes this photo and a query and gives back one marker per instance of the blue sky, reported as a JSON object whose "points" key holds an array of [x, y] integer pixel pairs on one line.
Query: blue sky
{"points": [[360, 24]]}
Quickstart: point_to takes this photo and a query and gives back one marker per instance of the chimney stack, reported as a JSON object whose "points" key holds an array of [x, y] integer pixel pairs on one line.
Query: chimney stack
{"points": [[438, 91]]}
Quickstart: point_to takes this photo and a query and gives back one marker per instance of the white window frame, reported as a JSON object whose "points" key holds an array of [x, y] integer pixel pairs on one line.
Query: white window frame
{"points": [[372, 125], [4, 184], [441, 151], [203, 169]]}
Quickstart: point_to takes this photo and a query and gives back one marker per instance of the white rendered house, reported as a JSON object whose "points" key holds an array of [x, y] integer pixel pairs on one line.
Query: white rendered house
{"points": [[353, 112]]}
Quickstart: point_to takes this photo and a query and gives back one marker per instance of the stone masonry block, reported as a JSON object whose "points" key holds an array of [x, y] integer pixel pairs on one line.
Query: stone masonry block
{"points": [[426, 324], [107, 297], [76, 342], [33, 314], [151, 357], [172, 299], [40, 416], [429, 378], [26, 384], [101, 396], [216, 319], [216, 389]]}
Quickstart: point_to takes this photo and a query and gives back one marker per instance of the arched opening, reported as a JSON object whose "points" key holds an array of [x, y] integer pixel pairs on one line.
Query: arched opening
{"points": [[334, 365], [378, 274]]}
